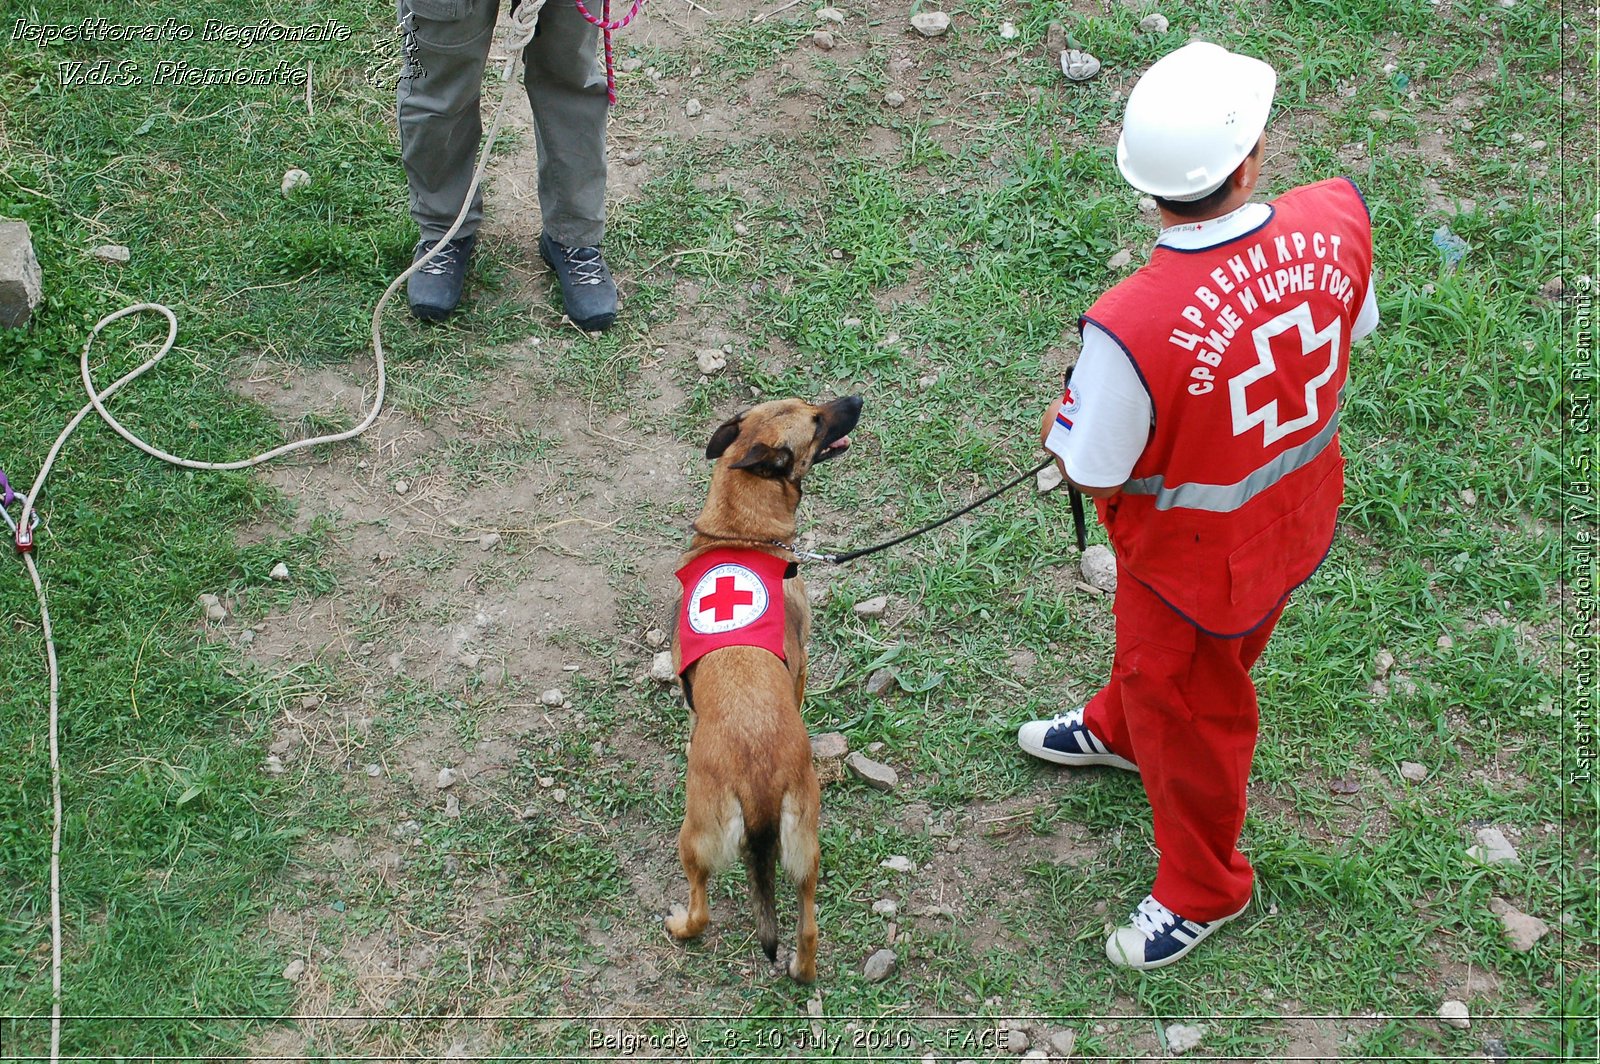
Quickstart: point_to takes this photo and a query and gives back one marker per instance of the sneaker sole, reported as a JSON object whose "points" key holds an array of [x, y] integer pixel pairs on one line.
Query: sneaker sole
{"points": [[1061, 757], [423, 312], [1147, 966]]}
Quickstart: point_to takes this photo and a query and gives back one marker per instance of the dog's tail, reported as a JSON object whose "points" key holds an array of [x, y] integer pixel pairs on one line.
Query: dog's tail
{"points": [[761, 866]]}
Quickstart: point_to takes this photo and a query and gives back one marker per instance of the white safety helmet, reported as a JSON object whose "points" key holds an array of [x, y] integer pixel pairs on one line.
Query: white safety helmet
{"points": [[1192, 119]]}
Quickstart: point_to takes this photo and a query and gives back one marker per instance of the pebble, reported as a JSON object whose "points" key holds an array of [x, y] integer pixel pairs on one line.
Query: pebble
{"points": [[1079, 65], [879, 966], [1469, 498], [374, 769], [1522, 930], [309, 702], [1016, 1041], [873, 773], [829, 746], [401, 487], [1147, 204], [452, 806], [1444, 642], [1049, 478], [692, 107], [885, 907], [468, 661], [247, 637], [115, 254], [1008, 31], [629, 65], [215, 611], [661, 668], [447, 778], [397, 664], [294, 969], [489, 541], [1154, 23], [1553, 288], [931, 23], [740, 229], [1099, 568], [925, 383], [273, 765], [1494, 848], [559, 796], [872, 607], [894, 99], [823, 40], [1454, 1014], [1382, 663], [1064, 1042], [830, 14], [1119, 260], [293, 178], [1182, 1037], [880, 682], [897, 863], [710, 360], [280, 572], [1411, 770], [655, 639], [552, 697]]}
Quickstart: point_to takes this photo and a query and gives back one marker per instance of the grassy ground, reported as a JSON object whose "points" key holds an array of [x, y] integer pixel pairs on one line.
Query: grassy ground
{"points": [[954, 239]]}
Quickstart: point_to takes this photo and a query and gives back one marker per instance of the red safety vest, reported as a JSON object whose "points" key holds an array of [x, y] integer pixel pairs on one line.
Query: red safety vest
{"points": [[732, 597], [1244, 349]]}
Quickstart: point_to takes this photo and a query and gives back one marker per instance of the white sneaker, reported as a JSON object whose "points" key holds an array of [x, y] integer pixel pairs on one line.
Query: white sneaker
{"points": [[1066, 740], [1157, 936]]}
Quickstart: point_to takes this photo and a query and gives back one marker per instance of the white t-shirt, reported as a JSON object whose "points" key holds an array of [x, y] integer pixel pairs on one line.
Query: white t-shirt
{"points": [[1110, 412]]}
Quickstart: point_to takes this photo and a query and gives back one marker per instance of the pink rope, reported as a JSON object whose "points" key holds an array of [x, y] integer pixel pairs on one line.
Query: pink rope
{"points": [[606, 28]]}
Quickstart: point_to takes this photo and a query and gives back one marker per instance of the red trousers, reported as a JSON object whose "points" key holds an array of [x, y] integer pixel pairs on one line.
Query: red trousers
{"points": [[1181, 705]]}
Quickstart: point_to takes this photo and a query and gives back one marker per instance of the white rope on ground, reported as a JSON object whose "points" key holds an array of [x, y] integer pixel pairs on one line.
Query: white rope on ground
{"points": [[523, 24]]}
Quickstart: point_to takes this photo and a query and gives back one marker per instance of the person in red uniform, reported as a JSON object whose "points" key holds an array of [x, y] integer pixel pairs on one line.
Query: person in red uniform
{"points": [[1203, 417]]}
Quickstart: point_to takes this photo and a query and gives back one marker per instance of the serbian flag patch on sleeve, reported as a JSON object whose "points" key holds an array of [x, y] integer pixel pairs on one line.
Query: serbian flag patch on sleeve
{"points": [[732, 597]]}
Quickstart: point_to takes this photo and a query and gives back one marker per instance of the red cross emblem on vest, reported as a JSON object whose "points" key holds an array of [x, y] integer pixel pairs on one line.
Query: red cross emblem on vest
{"points": [[728, 596]]}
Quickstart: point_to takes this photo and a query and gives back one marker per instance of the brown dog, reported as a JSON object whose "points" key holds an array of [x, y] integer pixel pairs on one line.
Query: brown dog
{"points": [[752, 791]]}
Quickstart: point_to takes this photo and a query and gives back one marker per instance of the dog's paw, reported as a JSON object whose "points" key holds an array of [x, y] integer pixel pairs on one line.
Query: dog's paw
{"points": [[677, 924]]}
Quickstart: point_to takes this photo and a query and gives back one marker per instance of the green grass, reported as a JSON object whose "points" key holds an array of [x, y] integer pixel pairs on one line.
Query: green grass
{"points": [[968, 241]]}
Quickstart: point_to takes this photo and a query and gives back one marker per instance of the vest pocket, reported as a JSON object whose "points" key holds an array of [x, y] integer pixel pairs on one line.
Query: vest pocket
{"points": [[1275, 560]]}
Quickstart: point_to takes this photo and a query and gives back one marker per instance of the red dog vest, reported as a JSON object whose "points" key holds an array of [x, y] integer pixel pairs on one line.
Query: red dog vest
{"points": [[732, 597], [1244, 348]]}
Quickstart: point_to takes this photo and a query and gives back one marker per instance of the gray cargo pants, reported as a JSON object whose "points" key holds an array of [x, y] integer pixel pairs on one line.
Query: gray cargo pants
{"points": [[446, 45]]}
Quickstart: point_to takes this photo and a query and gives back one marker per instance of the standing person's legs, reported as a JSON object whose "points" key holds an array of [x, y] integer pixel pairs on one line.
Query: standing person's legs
{"points": [[445, 45], [567, 92]]}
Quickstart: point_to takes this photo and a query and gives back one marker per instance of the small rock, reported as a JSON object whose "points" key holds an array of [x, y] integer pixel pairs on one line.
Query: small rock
{"points": [[1055, 39], [631, 64], [21, 282], [655, 639], [1079, 65], [885, 907], [294, 969], [1119, 260], [1099, 568], [1036, 1054], [1444, 642], [1412, 771], [559, 796], [374, 769], [1469, 498], [293, 179], [823, 40], [931, 23], [552, 697], [1383, 663], [310, 702], [1182, 1037], [710, 360], [897, 863], [1016, 1041], [692, 107], [1064, 1042], [829, 746], [873, 773], [1147, 204], [661, 668], [447, 778], [880, 682], [879, 966], [401, 487], [489, 541], [927, 382], [1049, 478], [397, 663], [872, 607], [115, 254], [1494, 848], [215, 611], [830, 14], [247, 637], [468, 661], [740, 229], [452, 806], [1008, 31], [1154, 23], [1553, 288], [894, 98], [1522, 930], [280, 572], [273, 765], [1454, 1014]]}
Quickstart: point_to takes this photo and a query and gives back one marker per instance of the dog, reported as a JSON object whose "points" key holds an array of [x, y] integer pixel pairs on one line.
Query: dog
{"points": [[752, 791]]}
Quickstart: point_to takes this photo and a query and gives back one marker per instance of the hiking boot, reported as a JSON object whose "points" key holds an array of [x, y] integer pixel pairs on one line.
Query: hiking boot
{"points": [[1156, 936], [435, 290], [1066, 740], [588, 293]]}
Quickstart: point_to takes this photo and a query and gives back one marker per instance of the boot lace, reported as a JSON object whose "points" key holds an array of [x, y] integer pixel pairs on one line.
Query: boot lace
{"points": [[1153, 918], [444, 262], [587, 267]]}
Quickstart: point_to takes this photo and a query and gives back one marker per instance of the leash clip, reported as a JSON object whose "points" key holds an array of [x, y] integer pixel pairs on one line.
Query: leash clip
{"points": [[22, 534]]}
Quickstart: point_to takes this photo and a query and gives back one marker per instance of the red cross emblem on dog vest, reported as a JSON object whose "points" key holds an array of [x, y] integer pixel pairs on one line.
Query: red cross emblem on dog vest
{"points": [[731, 597]]}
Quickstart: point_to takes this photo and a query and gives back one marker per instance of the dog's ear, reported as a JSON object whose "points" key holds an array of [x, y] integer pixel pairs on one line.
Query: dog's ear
{"points": [[765, 461], [723, 438]]}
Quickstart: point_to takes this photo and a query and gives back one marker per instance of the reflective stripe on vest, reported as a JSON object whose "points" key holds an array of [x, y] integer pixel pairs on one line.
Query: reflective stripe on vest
{"points": [[1225, 498]]}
